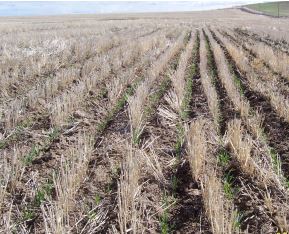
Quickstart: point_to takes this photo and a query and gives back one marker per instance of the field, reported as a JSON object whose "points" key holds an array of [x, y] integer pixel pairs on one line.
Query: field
{"points": [[271, 8], [144, 123]]}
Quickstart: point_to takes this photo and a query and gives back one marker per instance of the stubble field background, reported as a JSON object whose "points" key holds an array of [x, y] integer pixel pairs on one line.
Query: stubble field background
{"points": [[144, 123]]}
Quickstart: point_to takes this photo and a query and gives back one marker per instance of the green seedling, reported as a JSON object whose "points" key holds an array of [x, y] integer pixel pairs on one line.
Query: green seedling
{"points": [[180, 139], [2, 144], [238, 220], [236, 78], [164, 219], [211, 60], [275, 160], [18, 130], [36, 149], [26, 123], [53, 134], [239, 85], [188, 37], [223, 158], [228, 185], [178, 147], [39, 197], [28, 214], [43, 193], [262, 134], [91, 215], [164, 223], [136, 136], [119, 105], [102, 126], [108, 187], [71, 119], [155, 97], [103, 93], [33, 153], [175, 184], [115, 171], [97, 199], [185, 107]]}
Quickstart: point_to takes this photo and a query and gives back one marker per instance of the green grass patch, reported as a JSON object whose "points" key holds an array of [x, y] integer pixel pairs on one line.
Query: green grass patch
{"points": [[224, 158], [271, 8], [32, 154], [54, 134], [275, 160], [136, 134], [236, 78], [42, 193], [180, 139], [28, 214], [238, 220], [3, 143], [97, 199], [165, 226], [228, 181], [164, 223]]}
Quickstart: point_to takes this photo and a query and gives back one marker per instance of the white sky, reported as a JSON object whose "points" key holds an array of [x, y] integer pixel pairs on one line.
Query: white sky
{"points": [[203, 1], [41, 7]]}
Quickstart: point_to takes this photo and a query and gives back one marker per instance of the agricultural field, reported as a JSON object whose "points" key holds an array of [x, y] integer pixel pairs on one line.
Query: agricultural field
{"points": [[277, 9], [144, 123]]}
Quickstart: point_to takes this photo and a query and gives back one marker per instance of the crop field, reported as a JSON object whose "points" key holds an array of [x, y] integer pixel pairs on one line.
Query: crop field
{"points": [[271, 8], [144, 123]]}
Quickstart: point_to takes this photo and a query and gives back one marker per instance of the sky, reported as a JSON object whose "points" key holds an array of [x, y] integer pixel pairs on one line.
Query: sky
{"points": [[33, 8]]}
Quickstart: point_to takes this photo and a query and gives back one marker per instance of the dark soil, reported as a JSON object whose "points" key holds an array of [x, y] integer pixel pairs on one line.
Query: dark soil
{"points": [[188, 215], [248, 197]]}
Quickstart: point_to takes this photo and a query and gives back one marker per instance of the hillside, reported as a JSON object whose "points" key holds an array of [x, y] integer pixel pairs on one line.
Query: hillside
{"points": [[271, 8]]}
